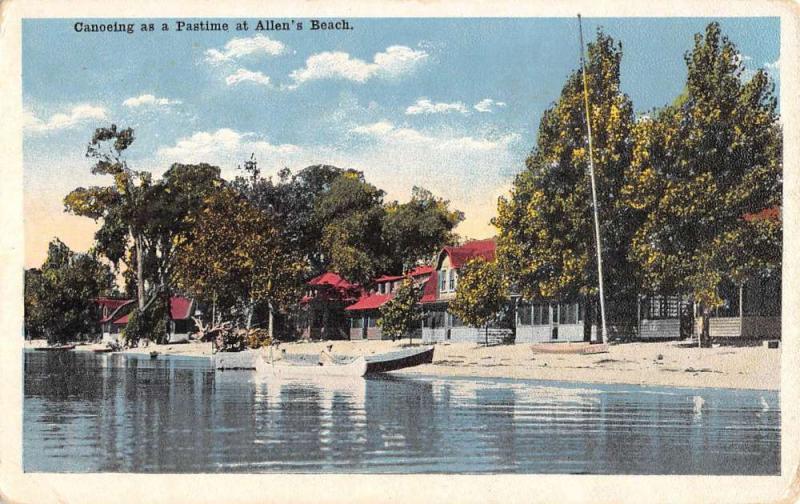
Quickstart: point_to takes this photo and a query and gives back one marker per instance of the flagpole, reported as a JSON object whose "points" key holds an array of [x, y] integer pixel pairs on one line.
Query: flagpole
{"points": [[594, 190]]}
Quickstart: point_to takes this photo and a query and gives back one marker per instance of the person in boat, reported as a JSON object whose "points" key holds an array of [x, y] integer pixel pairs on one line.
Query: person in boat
{"points": [[326, 356]]}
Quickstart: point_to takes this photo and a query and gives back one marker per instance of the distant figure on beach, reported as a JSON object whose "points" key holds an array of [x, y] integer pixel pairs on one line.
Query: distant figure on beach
{"points": [[326, 357]]}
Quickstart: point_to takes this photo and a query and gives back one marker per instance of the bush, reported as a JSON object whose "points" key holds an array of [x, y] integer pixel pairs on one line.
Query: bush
{"points": [[257, 338]]}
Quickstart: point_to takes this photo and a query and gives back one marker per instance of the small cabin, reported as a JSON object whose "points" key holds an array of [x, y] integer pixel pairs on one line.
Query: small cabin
{"points": [[115, 314]]}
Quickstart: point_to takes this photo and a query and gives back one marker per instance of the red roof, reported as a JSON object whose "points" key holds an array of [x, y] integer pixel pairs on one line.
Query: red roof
{"points": [[421, 270], [477, 248], [370, 302], [388, 278], [111, 302], [180, 308], [332, 279], [773, 213], [429, 289]]}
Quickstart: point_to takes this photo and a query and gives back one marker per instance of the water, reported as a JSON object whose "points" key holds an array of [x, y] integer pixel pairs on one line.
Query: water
{"points": [[108, 413]]}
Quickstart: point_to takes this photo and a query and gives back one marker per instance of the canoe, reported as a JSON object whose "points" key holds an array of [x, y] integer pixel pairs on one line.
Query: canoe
{"points": [[57, 348], [297, 366], [102, 350], [392, 361], [570, 348], [357, 367]]}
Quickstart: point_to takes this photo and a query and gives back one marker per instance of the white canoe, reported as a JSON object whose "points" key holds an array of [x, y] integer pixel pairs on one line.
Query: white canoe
{"points": [[357, 367]]}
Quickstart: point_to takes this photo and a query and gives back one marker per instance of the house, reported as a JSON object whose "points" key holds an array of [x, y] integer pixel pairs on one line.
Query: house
{"points": [[115, 314], [438, 323], [750, 310], [322, 314], [365, 312]]}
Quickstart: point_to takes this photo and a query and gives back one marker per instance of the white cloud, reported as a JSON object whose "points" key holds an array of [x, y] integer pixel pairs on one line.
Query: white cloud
{"points": [[386, 132], [488, 105], [244, 75], [395, 62], [240, 47], [425, 106], [225, 148], [773, 65], [148, 99], [79, 114]]}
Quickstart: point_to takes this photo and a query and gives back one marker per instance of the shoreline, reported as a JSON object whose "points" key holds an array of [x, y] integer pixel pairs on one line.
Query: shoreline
{"points": [[662, 364]]}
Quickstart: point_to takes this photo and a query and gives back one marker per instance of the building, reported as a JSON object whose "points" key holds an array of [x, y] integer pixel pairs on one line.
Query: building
{"points": [[322, 314], [438, 324], [365, 312], [115, 314]]}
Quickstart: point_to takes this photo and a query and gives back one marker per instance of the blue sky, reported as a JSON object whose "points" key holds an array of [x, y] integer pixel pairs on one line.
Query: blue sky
{"points": [[449, 104]]}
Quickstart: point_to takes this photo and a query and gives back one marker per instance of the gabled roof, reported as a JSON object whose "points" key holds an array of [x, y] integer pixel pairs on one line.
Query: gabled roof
{"points": [[429, 289], [477, 248]]}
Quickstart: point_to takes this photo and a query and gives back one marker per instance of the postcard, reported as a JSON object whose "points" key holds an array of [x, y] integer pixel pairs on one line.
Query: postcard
{"points": [[398, 251]]}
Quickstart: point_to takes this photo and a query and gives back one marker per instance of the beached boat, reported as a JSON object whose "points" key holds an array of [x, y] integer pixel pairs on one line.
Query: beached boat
{"points": [[55, 348], [343, 366], [102, 350], [570, 348]]}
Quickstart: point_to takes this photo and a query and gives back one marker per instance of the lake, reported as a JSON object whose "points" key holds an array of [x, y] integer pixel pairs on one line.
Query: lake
{"points": [[86, 412]]}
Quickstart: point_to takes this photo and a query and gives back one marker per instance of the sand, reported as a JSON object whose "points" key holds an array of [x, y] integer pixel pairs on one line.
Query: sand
{"points": [[631, 363]]}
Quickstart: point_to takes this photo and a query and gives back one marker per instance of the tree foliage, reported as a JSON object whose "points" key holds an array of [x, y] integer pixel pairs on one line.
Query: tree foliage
{"points": [[416, 230], [236, 255], [546, 235], [481, 293], [699, 168], [59, 296], [402, 314]]}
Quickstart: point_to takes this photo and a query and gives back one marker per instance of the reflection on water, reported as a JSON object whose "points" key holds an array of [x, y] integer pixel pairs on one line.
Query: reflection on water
{"points": [[110, 413]]}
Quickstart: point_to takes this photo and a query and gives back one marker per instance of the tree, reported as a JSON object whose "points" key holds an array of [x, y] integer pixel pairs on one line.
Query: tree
{"points": [[236, 255], [352, 216], [481, 294], [59, 296], [119, 206], [546, 236], [701, 166], [402, 314], [415, 231]]}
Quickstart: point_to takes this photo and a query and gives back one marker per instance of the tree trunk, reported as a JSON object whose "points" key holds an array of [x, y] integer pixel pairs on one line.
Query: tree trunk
{"points": [[139, 271], [249, 315], [486, 334], [588, 318], [705, 335]]}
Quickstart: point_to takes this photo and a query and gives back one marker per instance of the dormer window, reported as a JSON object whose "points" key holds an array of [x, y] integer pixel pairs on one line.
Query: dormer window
{"points": [[452, 280], [443, 281]]}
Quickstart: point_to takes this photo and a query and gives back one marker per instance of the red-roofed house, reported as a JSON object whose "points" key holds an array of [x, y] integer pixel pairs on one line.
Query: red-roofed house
{"points": [[322, 308], [438, 323], [115, 314], [365, 312]]}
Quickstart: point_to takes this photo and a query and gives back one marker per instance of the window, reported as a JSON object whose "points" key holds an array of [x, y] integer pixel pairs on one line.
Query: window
{"points": [[452, 280], [372, 321], [443, 281], [381, 288], [661, 307], [455, 321], [435, 319], [541, 314], [524, 314], [356, 322], [569, 313]]}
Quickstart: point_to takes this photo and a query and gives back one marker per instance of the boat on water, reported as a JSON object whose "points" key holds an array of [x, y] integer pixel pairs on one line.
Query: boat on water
{"points": [[343, 366], [55, 348]]}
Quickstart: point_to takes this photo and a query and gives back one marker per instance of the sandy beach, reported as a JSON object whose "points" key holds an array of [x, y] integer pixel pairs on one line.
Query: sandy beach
{"points": [[659, 363]]}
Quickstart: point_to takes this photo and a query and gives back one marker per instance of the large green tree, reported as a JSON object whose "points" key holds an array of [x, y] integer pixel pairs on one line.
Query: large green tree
{"points": [[416, 230], [235, 255], [546, 235], [481, 294], [59, 296], [700, 167]]}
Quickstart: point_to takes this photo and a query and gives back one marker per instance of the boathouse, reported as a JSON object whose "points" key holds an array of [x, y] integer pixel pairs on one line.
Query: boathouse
{"points": [[365, 312], [438, 324]]}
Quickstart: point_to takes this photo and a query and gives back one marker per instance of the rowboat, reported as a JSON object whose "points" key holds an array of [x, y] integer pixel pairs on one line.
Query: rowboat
{"points": [[343, 366], [55, 348]]}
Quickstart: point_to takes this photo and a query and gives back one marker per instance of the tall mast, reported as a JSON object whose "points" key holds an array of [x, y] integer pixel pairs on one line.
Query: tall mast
{"points": [[594, 190]]}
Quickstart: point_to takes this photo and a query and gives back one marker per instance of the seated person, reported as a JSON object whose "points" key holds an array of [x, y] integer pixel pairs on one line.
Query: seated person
{"points": [[326, 357]]}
